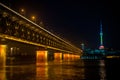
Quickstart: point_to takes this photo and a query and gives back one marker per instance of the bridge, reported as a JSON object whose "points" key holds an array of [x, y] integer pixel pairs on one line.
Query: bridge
{"points": [[23, 38]]}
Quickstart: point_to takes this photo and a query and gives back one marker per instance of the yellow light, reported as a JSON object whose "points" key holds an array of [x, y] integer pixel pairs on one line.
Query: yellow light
{"points": [[112, 56], [2, 50], [33, 17], [3, 55], [22, 10], [41, 56], [58, 56], [66, 56]]}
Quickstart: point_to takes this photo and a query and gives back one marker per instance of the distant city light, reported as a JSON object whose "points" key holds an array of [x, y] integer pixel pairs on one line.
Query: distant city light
{"points": [[101, 47]]}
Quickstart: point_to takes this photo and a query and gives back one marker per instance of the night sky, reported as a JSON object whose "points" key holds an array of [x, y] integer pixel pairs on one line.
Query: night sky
{"points": [[78, 21]]}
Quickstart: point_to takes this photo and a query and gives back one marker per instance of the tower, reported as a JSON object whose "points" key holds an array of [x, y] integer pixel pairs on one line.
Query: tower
{"points": [[101, 37]]}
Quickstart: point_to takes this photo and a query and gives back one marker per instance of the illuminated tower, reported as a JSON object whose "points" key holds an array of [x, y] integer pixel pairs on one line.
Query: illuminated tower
{"points": [[101, 37]]}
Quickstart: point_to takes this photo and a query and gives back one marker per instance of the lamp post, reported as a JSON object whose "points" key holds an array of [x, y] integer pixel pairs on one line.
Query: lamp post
{"points": [[22, 11], [33, 18]]}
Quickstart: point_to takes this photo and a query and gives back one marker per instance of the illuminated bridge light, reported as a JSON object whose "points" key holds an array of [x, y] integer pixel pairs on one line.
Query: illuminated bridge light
{"points": [[57, 56], [28, 42], [41, 56], [3, 55], [66, 56]]}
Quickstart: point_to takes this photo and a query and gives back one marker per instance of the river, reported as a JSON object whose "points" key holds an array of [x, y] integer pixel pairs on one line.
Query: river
{"points": [[63, 70]]}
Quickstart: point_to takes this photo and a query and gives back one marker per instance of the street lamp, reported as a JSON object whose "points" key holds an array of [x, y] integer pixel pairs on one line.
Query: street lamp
{"points": [[33, 18], [22, 11]]}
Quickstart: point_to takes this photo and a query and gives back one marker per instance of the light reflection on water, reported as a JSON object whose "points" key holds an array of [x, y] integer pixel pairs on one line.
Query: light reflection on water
{"points": [[58, 70], [102, 71], [52, 70]]}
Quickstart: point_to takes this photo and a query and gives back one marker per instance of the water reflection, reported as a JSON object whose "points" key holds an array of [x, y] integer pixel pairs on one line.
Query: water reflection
{"points": [[2, 73], [102, 71], [55, 70], [42, 70], [95, 70], [24, 72], [59, 70]]}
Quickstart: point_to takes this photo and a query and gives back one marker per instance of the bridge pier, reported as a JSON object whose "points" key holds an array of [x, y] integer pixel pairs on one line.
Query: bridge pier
{"points": [[70, 57], [58, 56], [41, 56], [66, 57], [46, 55], [2, 55]]}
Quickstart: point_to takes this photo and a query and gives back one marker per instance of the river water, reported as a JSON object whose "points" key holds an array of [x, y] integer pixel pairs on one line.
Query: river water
{"points": [[63, 70]]}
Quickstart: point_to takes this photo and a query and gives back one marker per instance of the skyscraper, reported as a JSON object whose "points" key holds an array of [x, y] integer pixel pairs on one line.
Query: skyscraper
{"points": [[101, 37]]}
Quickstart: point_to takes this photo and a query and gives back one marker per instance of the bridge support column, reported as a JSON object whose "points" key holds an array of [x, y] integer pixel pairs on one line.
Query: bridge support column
{"points": [[70, 57], [44, 55], [2, 61], [66, 56], [2, 55], [41, 56], [58, 56], [77, 56]]}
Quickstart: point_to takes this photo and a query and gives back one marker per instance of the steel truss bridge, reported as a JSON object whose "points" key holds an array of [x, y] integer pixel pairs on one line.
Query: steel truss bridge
{"points": [[16, 27]]}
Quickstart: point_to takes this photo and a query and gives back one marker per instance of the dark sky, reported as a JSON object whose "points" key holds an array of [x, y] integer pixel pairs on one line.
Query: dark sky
{"points": [[76, 20]]}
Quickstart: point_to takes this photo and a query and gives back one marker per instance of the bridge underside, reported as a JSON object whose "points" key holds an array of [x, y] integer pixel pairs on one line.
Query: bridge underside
{"points": [[16, 52]]}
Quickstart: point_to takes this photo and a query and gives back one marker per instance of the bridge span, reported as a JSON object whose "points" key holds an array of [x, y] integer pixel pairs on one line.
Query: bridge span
{"points": [[23, 38]]}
